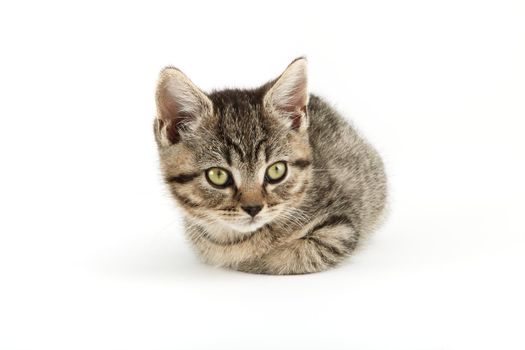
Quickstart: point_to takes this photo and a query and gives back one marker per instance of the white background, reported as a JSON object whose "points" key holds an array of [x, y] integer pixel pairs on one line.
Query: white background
{"points": [[91, 250]]}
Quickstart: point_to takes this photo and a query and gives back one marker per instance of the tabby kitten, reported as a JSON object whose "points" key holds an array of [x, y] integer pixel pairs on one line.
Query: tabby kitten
{"points": [[271, 180]]}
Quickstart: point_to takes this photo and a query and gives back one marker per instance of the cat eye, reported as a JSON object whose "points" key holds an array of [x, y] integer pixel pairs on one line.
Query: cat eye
{"points": [[219, 177], [276, 172]]}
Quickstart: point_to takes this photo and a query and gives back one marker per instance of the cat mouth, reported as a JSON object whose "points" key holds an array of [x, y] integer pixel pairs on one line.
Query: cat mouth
{"points": [[254, 220], [251, 222]]}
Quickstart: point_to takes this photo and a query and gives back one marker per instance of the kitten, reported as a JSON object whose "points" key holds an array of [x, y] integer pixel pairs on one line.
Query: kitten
{"points": [[271, 180]]}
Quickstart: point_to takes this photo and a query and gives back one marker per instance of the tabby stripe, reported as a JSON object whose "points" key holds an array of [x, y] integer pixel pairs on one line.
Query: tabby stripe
{"points": [[264, 190], [332, 221], [322, 255], [301, 163], [332, 249], [236, 147], [186, 200], [267, 152], [227, 155], [349, 244], [257, 148], [182, 178]]}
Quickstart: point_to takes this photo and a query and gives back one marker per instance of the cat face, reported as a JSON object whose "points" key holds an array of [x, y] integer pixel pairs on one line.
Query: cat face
{"points": [[235, 159]]}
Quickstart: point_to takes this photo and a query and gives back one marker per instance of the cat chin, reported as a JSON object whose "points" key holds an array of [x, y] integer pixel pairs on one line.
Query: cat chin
{"points": [[246, 228]]}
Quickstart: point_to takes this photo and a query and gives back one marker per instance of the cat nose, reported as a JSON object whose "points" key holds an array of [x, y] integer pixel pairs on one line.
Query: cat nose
{"points": [[252, 209]]}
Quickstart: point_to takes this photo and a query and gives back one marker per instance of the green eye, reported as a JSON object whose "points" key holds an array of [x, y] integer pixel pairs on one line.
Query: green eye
{"points": [[276, 172], [218, 177]]}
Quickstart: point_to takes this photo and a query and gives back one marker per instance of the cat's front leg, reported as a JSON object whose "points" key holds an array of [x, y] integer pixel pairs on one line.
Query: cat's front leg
{"points": [[321, 247]]}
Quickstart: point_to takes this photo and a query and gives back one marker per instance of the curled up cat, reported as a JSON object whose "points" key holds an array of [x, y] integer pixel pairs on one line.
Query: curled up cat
{"points": [[271, 180]]}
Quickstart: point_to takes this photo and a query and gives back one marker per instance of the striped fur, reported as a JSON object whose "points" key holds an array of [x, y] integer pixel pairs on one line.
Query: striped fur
{"points": [[333, 193]]}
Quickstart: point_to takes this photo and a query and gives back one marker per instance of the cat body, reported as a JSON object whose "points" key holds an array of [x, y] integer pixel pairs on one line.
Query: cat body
{"points": [[271, 180]]}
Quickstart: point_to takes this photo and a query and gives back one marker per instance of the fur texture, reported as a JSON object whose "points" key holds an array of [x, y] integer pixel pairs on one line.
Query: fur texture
{"points": [[332, 194]]}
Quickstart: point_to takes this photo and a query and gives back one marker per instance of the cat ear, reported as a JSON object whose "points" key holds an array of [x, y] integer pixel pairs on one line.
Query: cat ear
{"points": [[180, 105], [288, 96]]}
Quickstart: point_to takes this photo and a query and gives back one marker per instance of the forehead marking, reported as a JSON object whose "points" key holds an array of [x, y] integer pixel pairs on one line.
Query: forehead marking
{"points": [[227, 155], [236, 147], [257, 148], [267, 152]]}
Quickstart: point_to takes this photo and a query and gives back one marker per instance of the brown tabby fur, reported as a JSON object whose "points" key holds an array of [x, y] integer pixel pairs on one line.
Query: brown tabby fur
{"points": [[333, 195]]}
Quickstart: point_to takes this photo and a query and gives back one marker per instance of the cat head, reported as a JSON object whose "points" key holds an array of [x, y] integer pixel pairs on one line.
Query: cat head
{"points": [[235, 159]]}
